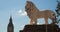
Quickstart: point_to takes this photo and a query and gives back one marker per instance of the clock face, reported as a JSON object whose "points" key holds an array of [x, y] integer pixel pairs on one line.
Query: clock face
{"points": [[10, 28]]}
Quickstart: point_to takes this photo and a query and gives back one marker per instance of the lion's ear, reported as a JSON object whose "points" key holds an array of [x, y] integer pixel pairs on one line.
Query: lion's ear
{"points": [[28, 1]]}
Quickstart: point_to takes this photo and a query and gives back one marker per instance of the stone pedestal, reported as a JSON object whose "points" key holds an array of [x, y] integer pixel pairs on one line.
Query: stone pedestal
{"points": [[40, 28]]}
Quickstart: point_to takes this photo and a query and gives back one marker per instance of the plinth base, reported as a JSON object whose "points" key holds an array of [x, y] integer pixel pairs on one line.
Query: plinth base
{"points": [[40, 28]]}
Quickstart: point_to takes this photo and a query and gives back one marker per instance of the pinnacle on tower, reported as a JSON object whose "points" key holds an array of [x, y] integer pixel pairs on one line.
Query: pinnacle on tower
{"points": [[10, 19]]}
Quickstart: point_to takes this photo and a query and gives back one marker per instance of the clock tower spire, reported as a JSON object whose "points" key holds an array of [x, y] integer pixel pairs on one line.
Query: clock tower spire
{"points": [[10, 27]]}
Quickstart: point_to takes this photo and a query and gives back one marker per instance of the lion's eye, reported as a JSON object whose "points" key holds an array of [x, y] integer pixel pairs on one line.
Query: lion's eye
{"points": [[53, 14]]}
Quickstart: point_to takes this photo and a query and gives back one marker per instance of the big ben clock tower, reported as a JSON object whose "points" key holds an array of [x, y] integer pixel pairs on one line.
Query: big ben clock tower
{"points": [[10, 27]]}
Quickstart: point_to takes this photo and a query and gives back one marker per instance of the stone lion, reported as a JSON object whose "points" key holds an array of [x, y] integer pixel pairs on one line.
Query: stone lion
{"points": [[34, 13]]}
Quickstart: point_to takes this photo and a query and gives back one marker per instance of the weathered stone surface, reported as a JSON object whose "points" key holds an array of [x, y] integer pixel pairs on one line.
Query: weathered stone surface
{"points": [[40, 28]]}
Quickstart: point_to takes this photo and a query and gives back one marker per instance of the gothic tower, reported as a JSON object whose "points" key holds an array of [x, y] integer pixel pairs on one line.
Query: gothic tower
{"points": [[10, 27]]}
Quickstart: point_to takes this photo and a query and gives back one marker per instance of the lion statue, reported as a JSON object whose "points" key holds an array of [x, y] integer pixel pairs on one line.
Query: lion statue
{"points": [[34, 13]]}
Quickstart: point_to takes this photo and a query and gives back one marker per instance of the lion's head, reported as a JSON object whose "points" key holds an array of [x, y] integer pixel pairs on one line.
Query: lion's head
{"points": [[29, 6]]}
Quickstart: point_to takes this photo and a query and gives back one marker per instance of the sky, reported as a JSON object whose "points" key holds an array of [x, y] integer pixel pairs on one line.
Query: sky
{"points": [[16, 8]]}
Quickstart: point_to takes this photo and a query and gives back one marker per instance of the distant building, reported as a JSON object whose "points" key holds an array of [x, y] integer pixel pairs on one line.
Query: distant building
{"points": [[10, 27]]}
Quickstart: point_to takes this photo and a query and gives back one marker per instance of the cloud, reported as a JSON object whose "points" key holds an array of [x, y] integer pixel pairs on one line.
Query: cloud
{"points": [[22, 13], [38, 23]]}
